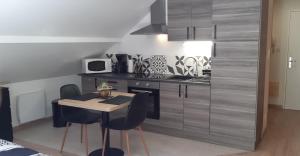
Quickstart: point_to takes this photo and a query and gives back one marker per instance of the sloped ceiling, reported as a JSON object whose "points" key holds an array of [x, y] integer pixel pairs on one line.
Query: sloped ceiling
{"points": [[88, 18], [48, 38]]}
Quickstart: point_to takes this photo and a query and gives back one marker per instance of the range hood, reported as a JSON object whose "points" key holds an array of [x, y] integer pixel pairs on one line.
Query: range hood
{"points": [[158, 20]]}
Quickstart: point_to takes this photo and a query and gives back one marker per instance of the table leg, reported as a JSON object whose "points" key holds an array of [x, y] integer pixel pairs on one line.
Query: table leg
{"points": [[108, 150]]}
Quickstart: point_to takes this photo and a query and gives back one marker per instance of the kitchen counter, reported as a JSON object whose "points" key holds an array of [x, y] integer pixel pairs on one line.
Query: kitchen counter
{"points": [[151, 77]]}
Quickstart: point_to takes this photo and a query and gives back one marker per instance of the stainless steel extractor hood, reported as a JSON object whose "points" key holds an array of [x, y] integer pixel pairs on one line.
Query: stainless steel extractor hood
{"points": [[158, 20]]}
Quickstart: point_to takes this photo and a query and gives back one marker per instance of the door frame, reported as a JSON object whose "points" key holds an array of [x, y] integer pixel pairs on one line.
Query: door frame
{"points": [[285, 62]]}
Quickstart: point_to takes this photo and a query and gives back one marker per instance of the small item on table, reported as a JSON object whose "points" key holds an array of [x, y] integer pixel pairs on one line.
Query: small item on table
{"points": [[104, 90]]}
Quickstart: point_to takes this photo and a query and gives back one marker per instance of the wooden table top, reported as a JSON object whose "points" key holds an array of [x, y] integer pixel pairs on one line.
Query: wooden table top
{"points": [[95, 104]]}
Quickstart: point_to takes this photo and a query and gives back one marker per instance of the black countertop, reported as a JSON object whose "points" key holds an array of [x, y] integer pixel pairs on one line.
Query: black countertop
{"points": [[150, 77]]}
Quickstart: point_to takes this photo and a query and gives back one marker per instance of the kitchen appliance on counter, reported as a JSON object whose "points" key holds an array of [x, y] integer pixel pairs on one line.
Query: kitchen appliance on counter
{"points": [[153, 110], [122, 65], [90, 66]]}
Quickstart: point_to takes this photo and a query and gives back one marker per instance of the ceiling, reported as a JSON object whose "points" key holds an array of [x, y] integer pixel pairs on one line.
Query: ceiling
{"points": [[87, 18], [48, 38]]}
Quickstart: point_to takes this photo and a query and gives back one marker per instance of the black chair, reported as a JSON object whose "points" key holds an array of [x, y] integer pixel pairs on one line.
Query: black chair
{"points": [[136, 115], [76, 115]]}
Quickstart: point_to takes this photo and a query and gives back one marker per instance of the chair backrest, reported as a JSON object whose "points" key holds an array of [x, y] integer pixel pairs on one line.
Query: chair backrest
{"points": [[70, 91], [137, 110]]}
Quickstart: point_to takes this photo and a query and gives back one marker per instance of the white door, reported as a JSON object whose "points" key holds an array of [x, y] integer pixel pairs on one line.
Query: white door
{"points": [[293, 72]]}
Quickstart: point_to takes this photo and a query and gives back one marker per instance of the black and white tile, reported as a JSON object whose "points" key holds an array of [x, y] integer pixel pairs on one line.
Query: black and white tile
{"points": [[161, 64]]}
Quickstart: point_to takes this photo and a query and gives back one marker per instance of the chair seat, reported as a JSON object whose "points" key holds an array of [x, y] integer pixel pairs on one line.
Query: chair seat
{"points": [[117, 124]]}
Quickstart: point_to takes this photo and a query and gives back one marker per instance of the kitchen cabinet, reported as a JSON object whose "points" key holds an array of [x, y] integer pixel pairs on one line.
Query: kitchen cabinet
{"points": [[184, 110], [190, 20], [88, 84], [234, 93], [236, 19], [196, 111], [171, 107], [117, 85]]}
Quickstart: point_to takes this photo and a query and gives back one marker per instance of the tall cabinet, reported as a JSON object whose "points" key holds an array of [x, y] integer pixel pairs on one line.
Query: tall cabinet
{"points": [[235, 64]]}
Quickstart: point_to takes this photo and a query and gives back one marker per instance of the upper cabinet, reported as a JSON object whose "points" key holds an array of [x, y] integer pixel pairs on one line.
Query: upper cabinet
{"points": [[237, 19], [190, 20]]}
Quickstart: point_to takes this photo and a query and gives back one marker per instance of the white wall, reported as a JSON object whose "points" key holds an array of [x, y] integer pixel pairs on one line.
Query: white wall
{"points": [[280, 44], [51, 87], [154, 44]]}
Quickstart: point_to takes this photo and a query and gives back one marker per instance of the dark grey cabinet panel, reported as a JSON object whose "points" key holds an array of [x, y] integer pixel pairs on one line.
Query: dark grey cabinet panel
{"points": [[196, 111], [88, 84], [171, 107], [237, 19], [179, 34]]}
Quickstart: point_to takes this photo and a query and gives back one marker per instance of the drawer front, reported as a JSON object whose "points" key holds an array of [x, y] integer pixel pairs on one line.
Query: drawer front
{"points": [[237, 50], [179, 34], [143, 84], [235, 68], [118, 85]]}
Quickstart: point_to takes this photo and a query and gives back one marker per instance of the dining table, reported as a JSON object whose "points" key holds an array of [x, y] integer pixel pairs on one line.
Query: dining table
{"points": [[100, 104]]}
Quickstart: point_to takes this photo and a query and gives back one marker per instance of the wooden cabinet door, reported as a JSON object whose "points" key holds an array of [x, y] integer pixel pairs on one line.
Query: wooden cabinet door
{"points": [[88, 84], [179, 20], [196, 111], [234, 93], [171, 107], [201, 19], [237, 19]]}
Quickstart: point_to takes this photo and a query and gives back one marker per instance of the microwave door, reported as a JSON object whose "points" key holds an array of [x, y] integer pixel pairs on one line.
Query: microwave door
{"points": [[96, 66]]}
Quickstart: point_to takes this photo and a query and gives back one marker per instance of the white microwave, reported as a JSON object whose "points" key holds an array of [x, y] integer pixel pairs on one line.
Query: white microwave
{"points": [[90, 66]]}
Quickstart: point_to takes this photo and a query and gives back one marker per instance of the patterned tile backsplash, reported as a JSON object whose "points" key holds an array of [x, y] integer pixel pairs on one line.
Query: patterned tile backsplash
{"points": [[161, 64]]}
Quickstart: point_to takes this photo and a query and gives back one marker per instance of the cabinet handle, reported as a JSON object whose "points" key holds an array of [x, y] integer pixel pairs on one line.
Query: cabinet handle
{"points": [[214, 53], [179, 91], [215, 32], [112, 82], [188, 33], [186, 92], [194, 33], [96, 86]]}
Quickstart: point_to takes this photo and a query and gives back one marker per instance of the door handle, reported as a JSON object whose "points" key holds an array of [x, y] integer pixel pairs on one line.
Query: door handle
{"points": [[214, 49], [290, 62], [215, 32]]}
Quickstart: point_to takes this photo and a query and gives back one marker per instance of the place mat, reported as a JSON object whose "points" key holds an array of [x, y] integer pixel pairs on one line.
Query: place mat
{"points": [[118, 100], [86, 97]]}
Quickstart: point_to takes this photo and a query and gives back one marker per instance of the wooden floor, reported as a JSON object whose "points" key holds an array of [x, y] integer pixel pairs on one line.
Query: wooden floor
{"points": [[282, 137]]}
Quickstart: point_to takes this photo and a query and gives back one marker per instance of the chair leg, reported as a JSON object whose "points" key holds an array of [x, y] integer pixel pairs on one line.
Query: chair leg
{"points": [[127, 143], [101, 132], [104, 142], [140, 130], [64, 138], [81, 134], [86, 140], [121, 139]]}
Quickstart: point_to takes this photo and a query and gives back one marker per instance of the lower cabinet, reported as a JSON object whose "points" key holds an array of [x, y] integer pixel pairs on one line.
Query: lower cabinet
{"points": [[118, 85], [88, 84], [184, 110], [196, 111], [171, 107]]}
